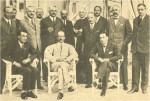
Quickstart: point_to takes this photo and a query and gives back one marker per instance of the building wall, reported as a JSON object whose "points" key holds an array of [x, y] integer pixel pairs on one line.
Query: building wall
{"points": [[2, 5]]}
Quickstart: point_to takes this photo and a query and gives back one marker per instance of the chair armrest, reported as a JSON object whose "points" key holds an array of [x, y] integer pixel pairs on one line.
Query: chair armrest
{"points": [[8, 67], [93, 63], [35, 62], [47, 62]]}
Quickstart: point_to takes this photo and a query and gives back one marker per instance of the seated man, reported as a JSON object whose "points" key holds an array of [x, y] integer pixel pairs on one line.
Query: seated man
{"points": [[108, 54], [61, 56], [21, 54]]}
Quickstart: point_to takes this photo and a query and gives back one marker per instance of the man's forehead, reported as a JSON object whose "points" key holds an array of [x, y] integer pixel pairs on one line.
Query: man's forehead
{"points": [[90, 15], [30, 9], [64, 12], [53, 8], [115, 7], [9, 10]]}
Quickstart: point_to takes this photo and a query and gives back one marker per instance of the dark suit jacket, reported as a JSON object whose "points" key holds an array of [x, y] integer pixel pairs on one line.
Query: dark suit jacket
{"points": [[120, 33], [102, 23], [13, 52], [48, 38], [111, 52], [140, 40], [8, 33], [69, 33], [80, 25], [90, 37]]}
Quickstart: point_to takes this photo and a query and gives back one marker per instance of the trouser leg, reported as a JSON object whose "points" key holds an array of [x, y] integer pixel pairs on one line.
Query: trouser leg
{"points": [[145, 71], [60, 78], [124, 70], [135, 71], [2, 75], [88, 71], [34, 72], [105, 79]]}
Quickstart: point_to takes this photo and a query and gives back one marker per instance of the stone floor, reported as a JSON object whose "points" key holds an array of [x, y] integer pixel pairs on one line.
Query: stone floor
{"points": [[82, 94]]}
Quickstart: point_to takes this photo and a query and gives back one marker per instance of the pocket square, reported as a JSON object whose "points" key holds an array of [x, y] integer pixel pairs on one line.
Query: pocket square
{"points": [[121, 24], [110, 52]]}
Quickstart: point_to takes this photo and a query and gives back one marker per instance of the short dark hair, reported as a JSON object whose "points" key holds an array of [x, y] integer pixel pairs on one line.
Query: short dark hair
{"points": [[142, 4], [104, 33], [19, 32], [6, 7], [98, 7]]}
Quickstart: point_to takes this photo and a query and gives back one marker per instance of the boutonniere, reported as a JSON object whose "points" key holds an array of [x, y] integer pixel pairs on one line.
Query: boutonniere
{"points": [[110, 52], [121, 24]]}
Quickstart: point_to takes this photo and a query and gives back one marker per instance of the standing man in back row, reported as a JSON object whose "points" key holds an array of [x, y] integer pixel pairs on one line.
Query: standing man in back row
{"points": [[140, 50], [32, 27], [120, 33], [50, 26]]}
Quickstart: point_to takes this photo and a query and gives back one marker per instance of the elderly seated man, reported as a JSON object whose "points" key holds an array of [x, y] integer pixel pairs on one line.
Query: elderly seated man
{"points": [[61, 55], [108, 54]]}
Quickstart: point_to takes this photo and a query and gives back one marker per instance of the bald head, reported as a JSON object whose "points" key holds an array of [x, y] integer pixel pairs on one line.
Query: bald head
{"points": [[30, 11], [53, 11], [91, 17], [115, 11], [64, 14], [82, 12]]}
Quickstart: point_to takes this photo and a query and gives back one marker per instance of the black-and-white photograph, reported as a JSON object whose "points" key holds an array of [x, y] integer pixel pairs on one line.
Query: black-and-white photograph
{"points": [[75, 50]]}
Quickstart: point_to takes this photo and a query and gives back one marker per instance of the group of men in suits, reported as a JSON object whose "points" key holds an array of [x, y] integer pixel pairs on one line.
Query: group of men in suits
{"points": [[94, 34]]}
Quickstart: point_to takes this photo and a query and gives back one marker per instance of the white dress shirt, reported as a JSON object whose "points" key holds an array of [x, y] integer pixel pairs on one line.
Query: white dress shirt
{"points": [[8, 20]]}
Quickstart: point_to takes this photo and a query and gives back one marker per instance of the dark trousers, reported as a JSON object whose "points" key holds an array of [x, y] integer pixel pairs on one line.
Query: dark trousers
{"points": [[124, 68], [88, 70], [2, 75], [39, 74], [104, 72], [29, 76], [140, 61]]}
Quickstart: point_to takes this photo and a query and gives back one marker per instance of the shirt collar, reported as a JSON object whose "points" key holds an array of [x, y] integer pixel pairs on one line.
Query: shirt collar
{"points": [[52, 18], [29, 18], [143, 16], [7, 19], [20, 44]]}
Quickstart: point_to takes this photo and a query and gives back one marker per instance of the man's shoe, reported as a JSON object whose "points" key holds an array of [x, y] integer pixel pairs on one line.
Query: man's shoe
{"points": [[24, 95], [144, 91], [103, 93], [99, 86], [113, 87], [132, 91], [31, 94], [60, 96], [94, 84], [40, 87], [88, 86], [70, 89], [16, 89], [125, 88]]}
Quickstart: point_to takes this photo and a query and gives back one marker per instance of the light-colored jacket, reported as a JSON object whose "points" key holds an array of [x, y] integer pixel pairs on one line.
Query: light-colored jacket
{"points": [[54, 52], [33, 32]]}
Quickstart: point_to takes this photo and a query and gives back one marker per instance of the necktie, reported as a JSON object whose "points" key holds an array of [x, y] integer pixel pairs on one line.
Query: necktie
{"points": [[32, 21], [64, 22], [91, 26], [9, 23], [140, 19], [61, 46]]}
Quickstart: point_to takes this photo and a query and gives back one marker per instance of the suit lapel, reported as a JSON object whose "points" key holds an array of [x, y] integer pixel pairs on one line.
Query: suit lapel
{"points": [[29, 23], [107, 48], [100, 47], [144, 19], [118, 23]]}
